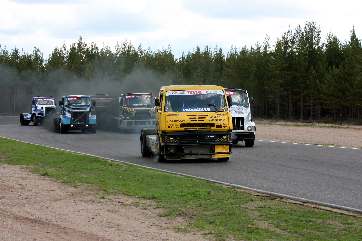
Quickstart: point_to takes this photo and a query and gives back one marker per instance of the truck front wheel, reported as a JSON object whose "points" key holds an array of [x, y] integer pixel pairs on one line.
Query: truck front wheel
{"points": [[145, 150], [249, 143], [22, 121], [223, 159]]}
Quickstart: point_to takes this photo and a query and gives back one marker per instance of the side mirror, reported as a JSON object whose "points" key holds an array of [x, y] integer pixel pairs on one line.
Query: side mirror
{"points": [[228, 98], [252, 100], [157, 102], [94, 103], [61, 102]]}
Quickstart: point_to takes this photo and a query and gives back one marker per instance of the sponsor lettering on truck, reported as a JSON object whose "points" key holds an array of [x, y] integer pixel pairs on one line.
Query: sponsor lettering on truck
{"points": [[192, 122], [243, 125]]}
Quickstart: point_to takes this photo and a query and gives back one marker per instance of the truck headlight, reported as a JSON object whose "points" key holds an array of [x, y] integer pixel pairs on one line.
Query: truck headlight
{"points": [[251, 128]]}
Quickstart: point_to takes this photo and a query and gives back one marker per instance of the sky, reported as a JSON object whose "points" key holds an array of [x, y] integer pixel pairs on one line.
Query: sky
{"points": [[180, 24]]}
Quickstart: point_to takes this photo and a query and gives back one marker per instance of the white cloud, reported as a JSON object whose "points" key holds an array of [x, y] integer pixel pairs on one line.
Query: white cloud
{"points": [[183, 24]]}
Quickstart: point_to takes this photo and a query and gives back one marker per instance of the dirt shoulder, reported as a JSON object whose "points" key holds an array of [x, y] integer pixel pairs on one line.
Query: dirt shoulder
{"points": [[33, 207], [345, 136]]}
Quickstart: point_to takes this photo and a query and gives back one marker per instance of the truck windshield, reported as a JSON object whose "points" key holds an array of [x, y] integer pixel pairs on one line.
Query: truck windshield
{"points": [[138, 100], [78, 100], [44, 101], [239, 98], [195, 101]]}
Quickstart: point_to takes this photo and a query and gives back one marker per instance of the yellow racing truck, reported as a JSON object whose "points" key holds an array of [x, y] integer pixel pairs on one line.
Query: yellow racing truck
{"points": [[192, 122]]}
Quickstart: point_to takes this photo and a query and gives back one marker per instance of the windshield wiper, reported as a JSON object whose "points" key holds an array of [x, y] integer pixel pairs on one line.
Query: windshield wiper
{"points": [[213, 105]]}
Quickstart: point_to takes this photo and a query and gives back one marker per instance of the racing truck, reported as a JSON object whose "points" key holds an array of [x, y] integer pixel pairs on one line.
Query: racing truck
{"points": [[136, 111], [40, 108], [75, 112], [243, 125], [192, 122], [127, 112]]}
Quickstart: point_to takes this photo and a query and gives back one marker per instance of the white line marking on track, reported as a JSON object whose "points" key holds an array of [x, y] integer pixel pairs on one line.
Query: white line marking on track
{"points": [[307, 144]]}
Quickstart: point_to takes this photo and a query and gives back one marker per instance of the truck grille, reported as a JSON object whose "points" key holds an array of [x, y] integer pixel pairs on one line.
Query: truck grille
{"points": [[79, 117], [142, 115], [238, 123], [196, 118], [48, 110]]}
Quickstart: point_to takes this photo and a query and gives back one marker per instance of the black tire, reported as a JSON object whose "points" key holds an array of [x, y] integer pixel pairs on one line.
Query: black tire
{"points": [[249, 143], [22, 121], [34, 120], [223, 159], [145, 150], [56, 125], [161, 158], [63, 129], [235, 142]]}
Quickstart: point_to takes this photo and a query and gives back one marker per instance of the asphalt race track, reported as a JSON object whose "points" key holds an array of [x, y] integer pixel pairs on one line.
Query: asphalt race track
{"points": [[322, 174]]}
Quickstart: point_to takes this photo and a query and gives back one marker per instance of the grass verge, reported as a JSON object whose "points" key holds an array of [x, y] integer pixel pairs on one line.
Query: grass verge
{"points": [[223, 212]]}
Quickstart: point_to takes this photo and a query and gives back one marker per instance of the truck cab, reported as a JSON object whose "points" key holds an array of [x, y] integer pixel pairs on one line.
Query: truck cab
{"points": [[41, 106], [136, 111], [243, 125], [192, 122], [76, 112]]}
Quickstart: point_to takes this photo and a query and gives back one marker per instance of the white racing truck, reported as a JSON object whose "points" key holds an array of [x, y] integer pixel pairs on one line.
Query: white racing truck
{"points": [[40, 108], [243, 125]]}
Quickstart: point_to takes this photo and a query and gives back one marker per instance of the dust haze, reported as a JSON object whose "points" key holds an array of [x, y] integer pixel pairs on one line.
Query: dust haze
{"points": [[18, 88]]}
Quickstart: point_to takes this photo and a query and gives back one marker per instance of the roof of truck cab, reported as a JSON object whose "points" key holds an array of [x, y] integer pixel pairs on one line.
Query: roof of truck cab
{"points": [[76, 96], [43, 97], [191, 87]]}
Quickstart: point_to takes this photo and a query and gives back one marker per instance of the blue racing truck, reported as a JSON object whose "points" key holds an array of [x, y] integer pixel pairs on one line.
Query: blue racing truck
{"points": [[75, 112], [40, 108]]}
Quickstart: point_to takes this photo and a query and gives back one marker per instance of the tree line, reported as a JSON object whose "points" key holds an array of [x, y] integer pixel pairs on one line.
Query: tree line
{"points": [[299, 77]]}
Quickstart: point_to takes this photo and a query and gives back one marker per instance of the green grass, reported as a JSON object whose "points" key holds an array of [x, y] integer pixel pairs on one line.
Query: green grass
{"points": [[223, 212]]}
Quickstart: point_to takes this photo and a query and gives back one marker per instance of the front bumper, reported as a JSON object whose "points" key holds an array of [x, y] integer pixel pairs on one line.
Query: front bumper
{"points": [[195, 145], [136, 124], [243, 135]]}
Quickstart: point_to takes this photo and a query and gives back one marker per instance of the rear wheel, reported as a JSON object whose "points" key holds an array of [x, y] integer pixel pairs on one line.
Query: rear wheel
{"points": [[249, 143]]}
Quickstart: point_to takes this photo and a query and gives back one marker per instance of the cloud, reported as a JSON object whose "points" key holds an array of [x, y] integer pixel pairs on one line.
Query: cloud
{"points": [[183, 24], [245, 9]]}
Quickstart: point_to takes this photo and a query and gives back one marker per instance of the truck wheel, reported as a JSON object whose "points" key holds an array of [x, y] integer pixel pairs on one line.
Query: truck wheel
{"points": [[62, 129], [34, 120], [145, 150], [249, 143], [56, 125], [22, 121], [223, 159], [161, 158]]}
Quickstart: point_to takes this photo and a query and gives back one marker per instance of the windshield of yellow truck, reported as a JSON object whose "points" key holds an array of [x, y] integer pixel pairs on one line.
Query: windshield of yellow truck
{"points": [[195, 101]]}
